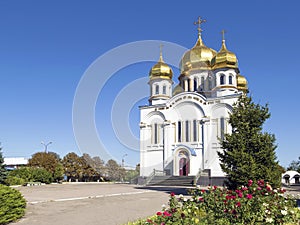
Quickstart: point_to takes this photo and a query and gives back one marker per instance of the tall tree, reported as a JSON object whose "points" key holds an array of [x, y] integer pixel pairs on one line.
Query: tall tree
{"points": [[74, 166], [3, 172], [248, 152], [47, 160], [114, 170], [99, 165]]}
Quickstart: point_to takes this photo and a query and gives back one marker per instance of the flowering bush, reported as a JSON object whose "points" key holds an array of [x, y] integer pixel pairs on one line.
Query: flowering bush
{"points": [[252, 204]]}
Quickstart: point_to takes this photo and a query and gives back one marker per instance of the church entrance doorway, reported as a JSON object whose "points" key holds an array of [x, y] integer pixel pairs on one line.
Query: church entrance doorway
{"points": [[184, 164]]}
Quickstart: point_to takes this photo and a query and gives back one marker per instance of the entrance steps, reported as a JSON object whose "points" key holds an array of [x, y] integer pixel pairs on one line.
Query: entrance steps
{"points": [[171, 181]]}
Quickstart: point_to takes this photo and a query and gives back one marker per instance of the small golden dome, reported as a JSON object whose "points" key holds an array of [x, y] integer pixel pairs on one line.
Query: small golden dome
{"points": [[177, 90], [242, 84], [198, 57], [161, 70], [224, 58]]}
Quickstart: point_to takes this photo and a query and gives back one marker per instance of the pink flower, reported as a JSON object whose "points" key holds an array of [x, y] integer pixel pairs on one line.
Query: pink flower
{"points": [[250, 182], [166, 213], [244, 188], [238, 204], [249, 196], [240, 195]]}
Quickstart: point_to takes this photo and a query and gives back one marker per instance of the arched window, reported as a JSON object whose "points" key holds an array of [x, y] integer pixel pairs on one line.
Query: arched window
{"points": [[222, 127], [195, 84], [164, 90], [202, 83], [222, 79], [156, 89], [187, 131], [195, 131], [155, 133], [230, 79], [179, 137]]}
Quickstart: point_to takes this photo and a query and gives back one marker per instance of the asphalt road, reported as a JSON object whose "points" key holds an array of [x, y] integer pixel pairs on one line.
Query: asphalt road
{"points": [[91, 203]]}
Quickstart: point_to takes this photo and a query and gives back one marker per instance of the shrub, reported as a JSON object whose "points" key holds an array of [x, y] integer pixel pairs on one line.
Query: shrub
{"points": [[14, 181], [251, 204], [12, 205], [29, 174]]}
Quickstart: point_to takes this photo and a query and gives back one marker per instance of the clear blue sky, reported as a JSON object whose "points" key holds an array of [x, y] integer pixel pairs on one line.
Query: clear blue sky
{"points": [[46, 47]]}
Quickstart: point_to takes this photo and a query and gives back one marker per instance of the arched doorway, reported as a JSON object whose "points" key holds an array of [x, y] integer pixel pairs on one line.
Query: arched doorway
{"points": [[184, 163], [297, 179]]}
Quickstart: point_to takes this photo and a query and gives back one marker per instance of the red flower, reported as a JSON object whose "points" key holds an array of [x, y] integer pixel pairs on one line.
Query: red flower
{"points": [[201, 199], [159, 213], [250, 182], [215, 187], [172, 194], [249, 196], [202, 191], [238, 204], [261, 183], [233, 211], [240, 195]]}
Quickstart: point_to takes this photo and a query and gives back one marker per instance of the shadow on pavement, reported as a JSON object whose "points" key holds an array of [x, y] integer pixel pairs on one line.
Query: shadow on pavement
{"points": [[167, 189]]}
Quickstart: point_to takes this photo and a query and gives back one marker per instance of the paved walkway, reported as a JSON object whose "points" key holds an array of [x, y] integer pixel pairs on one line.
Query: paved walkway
{"points": [[91, 203]]}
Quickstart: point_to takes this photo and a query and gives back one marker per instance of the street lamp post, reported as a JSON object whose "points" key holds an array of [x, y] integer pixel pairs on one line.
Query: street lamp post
{"points": [[123, 159], [46, 145]]}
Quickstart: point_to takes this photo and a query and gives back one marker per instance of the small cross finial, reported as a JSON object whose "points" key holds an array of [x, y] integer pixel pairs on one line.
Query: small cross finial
{"points": [[199, 22], [160, 52], [223, 34]]}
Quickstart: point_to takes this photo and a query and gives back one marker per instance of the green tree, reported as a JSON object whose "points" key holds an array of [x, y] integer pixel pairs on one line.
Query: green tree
{"points": [[73, 166], [248, 152], [3, 172], [295, 165], [58, 173], [89, 172]]}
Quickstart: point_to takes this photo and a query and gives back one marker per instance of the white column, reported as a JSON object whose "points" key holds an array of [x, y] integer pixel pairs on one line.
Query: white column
{"points": [[185, 85], [191, 85]]}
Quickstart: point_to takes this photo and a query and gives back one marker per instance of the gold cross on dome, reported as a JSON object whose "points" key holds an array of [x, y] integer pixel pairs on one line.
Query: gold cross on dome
{"points": [[160, 52], [223, 34], [199, 22]]}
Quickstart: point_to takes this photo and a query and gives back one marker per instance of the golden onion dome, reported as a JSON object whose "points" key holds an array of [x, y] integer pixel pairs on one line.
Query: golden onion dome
{"points": [[161, 70], [177, 90], [242, 84], [224, 58], [199, 57]]}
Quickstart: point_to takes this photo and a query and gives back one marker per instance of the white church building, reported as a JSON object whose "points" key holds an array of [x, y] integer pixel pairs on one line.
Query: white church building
{"points": [[181, 128]]}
